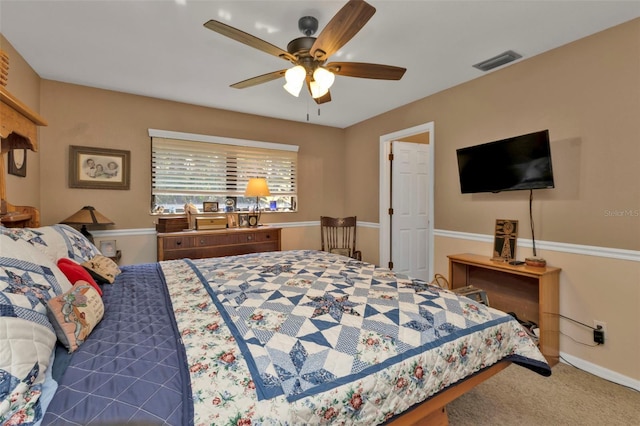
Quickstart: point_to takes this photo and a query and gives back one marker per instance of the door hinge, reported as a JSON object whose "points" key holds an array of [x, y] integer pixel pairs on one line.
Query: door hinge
{"points": [[391, 156], [390, 265], [390, 211]]}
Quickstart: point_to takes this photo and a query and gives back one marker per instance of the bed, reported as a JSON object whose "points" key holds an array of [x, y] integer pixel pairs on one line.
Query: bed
{"points": [[292, 337]]}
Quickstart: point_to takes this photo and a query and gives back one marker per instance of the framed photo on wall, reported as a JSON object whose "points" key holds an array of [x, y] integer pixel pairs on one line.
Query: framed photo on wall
{"points": [[98, 168], [505, 238]]}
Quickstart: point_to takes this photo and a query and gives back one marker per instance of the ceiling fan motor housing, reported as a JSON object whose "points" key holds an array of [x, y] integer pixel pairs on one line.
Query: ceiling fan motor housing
{"points": [[308, 25]]}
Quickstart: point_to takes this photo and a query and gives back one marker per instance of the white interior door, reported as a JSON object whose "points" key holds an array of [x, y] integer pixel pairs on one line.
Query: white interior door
{"points": [[410, 203], [407, 244]]}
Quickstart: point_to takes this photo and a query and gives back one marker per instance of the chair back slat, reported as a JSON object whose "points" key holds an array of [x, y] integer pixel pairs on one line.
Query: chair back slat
{"points": [[338, 235]]}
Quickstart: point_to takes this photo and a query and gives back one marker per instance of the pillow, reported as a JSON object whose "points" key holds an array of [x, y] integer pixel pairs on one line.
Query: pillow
{"points": [[56, 241], [75, 313], [76, 272], [103, 269], [28, 279]]}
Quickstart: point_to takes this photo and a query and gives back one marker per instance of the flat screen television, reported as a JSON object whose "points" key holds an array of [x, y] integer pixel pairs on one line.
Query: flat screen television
{"points": [[520, 162]]}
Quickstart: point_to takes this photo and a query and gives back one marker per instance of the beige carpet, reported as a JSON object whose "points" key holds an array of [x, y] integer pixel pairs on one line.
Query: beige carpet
{"points": [[517, 396]]}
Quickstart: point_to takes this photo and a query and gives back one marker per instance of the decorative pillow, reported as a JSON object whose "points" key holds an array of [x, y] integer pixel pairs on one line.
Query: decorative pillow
{"points": [[75, 313], [28, 279], [103, 269], [56, 241], [76, 272]]}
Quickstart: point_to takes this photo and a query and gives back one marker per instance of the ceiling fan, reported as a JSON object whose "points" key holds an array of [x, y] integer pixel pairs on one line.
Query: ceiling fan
{"points": [[309, 54]]}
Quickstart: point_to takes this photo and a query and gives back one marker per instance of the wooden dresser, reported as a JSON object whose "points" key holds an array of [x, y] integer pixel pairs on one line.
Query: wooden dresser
{"points": [[216, 243]]}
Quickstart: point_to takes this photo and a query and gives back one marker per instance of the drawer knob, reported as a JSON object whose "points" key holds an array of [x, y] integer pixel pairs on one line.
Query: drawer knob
{"points": [[249, 237], [267, 236], [201, 241], [179, 242]]}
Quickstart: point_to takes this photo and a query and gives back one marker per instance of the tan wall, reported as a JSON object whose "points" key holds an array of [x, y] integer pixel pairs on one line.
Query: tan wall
{"points": [[24, 84], [86, 116], [588, 95]]}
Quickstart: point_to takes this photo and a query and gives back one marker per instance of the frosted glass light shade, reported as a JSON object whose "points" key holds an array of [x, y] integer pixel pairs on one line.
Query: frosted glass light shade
{"points": [[316, 90], [324, 77], [294, 77]]}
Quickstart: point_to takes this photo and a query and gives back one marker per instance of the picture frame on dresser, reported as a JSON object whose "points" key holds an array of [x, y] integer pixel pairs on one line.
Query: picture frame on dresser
{"points": [[232, 220], [505, 240], [99, 168], [243, 220], [210, 206]]}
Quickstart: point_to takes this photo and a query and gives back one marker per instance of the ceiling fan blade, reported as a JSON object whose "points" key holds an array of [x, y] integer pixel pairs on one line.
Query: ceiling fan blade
{"points": [[248, 39], [342, 27], [364, 70], [254, 81]]}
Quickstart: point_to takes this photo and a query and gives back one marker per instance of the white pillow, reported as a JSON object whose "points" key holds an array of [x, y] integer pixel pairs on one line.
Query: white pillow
{"points": [[28, 279], [56, 241]]}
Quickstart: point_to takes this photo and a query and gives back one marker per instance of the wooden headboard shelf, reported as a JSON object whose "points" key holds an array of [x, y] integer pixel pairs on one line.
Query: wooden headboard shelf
{"points": [[19, 119]]}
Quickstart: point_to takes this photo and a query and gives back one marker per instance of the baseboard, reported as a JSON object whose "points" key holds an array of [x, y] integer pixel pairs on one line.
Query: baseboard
{"points": [[596, 370]]}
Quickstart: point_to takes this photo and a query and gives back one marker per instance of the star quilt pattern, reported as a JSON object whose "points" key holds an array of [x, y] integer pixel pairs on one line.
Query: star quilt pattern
{"points": [[306, 322]]}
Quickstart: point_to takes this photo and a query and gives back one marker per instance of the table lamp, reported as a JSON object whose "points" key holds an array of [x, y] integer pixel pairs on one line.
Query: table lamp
{"points": [[87, 216], [257, 187]]}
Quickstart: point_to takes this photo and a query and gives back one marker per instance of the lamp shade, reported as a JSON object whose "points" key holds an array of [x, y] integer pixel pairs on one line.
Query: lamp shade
{"points": [[257, 187], [87, 216]]}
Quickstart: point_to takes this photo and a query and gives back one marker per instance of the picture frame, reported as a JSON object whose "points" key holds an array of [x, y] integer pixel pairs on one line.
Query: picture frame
{"points": [[210, 206], [17, 159], [108, 248], [99, 168], [505, 240], [243, 220], [253, 220], [232, 220]]}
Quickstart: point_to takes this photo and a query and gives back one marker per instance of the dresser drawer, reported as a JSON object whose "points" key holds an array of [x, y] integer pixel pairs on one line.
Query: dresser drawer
{"points": [[208, 240], [270, 235], [172, 243], [229, 242]]}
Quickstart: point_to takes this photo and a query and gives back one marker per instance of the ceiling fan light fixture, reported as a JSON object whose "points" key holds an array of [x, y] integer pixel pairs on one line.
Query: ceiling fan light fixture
{"points": [[294, 77], [317, 91], [324, 77], [293, 88]]}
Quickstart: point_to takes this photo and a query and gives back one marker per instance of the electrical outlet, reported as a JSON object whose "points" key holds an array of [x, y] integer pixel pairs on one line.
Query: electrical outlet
{"points": [[600, 324], [600, 328]]}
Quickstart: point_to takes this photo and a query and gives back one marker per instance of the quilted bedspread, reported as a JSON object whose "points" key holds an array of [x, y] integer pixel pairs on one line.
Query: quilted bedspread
{"points": [[281, 338], [306, 337], [132, 367]]}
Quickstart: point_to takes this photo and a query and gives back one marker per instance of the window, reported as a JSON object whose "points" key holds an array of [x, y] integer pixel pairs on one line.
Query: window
{"points": [[189, 168]]}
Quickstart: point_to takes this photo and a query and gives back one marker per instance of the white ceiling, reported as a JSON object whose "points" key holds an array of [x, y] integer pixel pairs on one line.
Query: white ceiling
{"points": [[159, 48]]}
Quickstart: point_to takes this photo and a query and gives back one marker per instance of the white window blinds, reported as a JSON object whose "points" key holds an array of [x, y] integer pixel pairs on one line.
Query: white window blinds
{"points": [[185, 164]]}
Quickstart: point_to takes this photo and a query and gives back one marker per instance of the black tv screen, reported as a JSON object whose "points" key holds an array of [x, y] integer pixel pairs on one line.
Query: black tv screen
{"points": [[521, 162]]}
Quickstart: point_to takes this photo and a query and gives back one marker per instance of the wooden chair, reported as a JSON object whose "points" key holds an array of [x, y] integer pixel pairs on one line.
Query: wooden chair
{"points": [[338, 235]]}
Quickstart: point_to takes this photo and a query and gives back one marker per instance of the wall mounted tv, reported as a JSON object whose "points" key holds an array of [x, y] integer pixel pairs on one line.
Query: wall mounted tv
{"points": [[521, 162]]}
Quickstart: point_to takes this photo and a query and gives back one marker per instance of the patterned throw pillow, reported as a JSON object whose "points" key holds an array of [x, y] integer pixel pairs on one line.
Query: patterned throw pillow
{"points": [[76, 272], [75, 313], [103, 269], [55, 241]]}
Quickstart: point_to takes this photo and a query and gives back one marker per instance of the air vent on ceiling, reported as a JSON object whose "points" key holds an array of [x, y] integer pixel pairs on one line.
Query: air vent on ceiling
{"points": [[496, 61]]}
